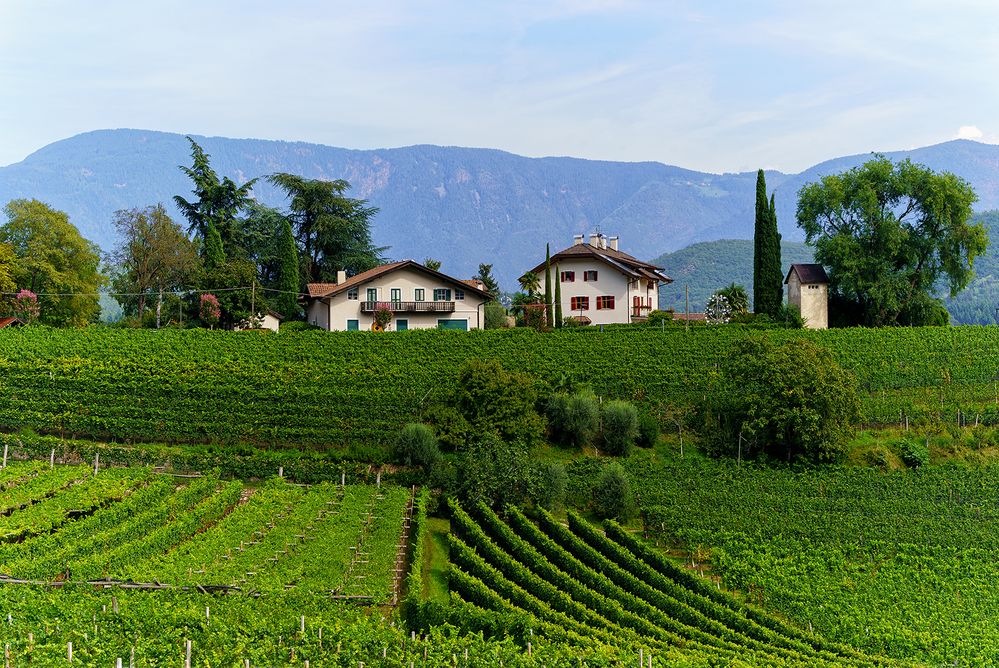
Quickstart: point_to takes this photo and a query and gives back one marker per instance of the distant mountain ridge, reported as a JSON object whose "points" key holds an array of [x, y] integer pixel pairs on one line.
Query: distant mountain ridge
{"points": [[462, 206]]}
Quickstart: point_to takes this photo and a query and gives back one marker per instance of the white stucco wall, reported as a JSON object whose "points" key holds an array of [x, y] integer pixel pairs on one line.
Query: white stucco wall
{"points": [[812, 299], [341, 309], [610, 282]]}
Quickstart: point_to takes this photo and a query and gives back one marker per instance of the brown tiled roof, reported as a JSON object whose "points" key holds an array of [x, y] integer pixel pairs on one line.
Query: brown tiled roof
{"points": [[808, 273], [626, 264], [691, 317], [10, 321], [323, 290], [320, 289]]}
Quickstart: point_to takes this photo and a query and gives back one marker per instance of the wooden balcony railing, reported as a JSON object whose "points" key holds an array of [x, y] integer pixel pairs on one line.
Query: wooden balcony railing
{"points": [[409, 307]]}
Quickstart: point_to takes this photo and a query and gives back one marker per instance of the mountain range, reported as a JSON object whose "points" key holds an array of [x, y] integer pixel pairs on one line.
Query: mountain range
{"points": [[462, 206]]}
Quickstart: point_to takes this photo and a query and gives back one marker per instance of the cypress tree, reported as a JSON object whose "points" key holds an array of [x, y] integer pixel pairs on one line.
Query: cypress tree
{"points": [[558, 297], [211, 252], [288, 273], [773, 273], [762, 215], [548, 285]]}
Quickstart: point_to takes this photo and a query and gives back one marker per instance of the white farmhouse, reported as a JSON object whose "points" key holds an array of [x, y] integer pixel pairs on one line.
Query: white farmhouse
{"points": [[601, 285], [418, 297], [808, 289]]}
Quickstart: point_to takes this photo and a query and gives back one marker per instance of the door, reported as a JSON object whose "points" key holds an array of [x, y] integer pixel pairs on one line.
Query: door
{"points": [[453, 324], [352, 326], [401, 325], [636, 306]]}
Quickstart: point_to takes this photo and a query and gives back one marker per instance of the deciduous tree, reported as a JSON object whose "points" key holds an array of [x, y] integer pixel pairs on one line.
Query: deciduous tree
{"points": [[53, 261], [888, 234]]}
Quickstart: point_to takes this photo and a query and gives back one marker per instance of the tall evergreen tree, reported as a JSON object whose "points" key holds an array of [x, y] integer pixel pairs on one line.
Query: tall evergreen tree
{"points": [[558, 297], [768, 280], [288, 273], [212, 253], [548, 285]]}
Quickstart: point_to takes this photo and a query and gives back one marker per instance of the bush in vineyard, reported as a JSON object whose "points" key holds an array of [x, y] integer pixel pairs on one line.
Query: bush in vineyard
{"points": [[417, 446], [612, 495], [788, 401], [573, 419], [620, 428]]}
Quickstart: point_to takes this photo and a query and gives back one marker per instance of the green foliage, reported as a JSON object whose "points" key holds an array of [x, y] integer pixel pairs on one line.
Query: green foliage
{"points": [[735, 295], [889, 233], [790, 315], [559, 320], [573, 419], [548, 286], [914, 453], [485, 274], [218, 202], [212, 253], [432, 264], [648, 430], [768, 281], [416, 445], [494, 315], [552, 483], [657, 318], [54, 262], [620, 427], [494, 400], [450, 426], [789, 401], [492, 471], [333, 231], [7, 262], [612, 494], [288, 276]]}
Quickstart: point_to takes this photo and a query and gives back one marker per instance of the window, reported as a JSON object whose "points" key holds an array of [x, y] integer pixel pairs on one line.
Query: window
{"points": [[568, 276], [442, 295], [372, 294], [459, 295], [401, 325], [580, 304], [352, 293], [419, 294], [605, 302], [352, 326], [396, 295], [590, 275]]}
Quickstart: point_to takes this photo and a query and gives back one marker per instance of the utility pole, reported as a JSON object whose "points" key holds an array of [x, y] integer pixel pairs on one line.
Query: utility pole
{"points": [[686, 299]]}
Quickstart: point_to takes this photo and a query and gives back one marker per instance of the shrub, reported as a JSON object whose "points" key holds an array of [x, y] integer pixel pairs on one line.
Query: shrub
{"points": [[495, 316], [612, 496], [450, 427], [551, 485], [620, 428], [914, 454], [657, 318], [495, 400], [299, 326], [417, 446], [493, 471], [573, 419], [787, 401], [648, 431]]}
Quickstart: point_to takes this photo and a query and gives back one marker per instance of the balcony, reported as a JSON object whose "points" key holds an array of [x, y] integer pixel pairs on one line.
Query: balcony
{"points": [[409, 307]]}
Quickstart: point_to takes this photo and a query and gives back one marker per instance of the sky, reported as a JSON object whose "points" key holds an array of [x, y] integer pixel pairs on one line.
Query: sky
{"points": [[713, 86]]}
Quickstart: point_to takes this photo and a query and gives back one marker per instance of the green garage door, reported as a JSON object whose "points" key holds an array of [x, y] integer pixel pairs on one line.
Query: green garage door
{"points": [[453, 324]]}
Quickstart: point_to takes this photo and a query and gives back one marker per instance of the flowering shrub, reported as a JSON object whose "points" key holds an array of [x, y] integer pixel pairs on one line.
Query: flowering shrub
{"points": [[383, 315], [210, 311], [25, 306]]}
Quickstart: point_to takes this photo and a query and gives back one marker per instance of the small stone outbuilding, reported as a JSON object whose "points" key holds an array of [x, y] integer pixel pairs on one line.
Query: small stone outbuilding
{"points": [[808, 289]]}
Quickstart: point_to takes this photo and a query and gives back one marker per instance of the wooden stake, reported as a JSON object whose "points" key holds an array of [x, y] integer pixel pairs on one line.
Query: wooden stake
{"points": [[52, 459], [131, 659], [187, 654], [97, 462], [280, 471], [5, 455], [69, 652]]}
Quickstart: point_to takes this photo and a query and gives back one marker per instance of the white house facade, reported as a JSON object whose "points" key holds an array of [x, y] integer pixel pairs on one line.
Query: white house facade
{"points": [[418, 297], [601, 285], [808, 289]]}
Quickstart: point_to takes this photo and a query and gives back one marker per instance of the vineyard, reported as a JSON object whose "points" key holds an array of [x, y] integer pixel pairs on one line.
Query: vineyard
{"points": [[349, 389], [584, 588], [899, 564]]}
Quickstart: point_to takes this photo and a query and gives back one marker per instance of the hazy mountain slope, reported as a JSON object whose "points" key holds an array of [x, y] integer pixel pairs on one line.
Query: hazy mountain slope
{"points": [[460, 205]]}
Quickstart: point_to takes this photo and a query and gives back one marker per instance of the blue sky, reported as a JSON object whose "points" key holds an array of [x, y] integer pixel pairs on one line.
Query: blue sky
{"points": [[715, 86]]}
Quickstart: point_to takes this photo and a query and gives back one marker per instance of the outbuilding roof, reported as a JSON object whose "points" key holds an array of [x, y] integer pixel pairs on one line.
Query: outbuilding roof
{"points": [[808, 273]]}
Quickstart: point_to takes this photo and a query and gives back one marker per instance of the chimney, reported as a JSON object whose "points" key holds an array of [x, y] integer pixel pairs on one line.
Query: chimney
{"points": [[595, 240], [341, 276], [613, 243], [603, 242], [577, 240]]}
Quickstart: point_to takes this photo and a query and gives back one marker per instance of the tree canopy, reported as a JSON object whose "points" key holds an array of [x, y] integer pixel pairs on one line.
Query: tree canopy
{"points": [[54, 261], [889, 234], [768, 278], [333, 231], [218, 201], [7, 261]]}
